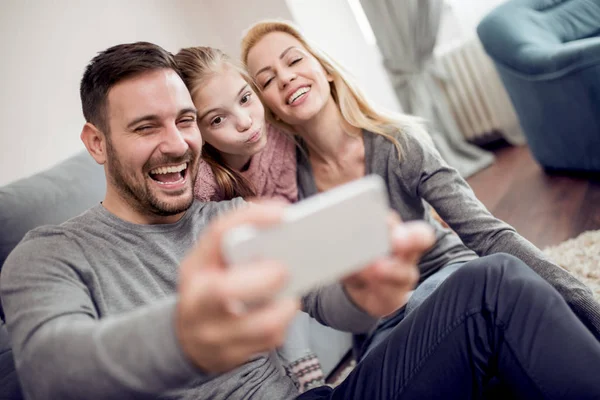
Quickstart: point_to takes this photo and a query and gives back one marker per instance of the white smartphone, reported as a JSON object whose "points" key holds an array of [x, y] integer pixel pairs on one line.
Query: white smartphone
{"points": [[321, 239]]}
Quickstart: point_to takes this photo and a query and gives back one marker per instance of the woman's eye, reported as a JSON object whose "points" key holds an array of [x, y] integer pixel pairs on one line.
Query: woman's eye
{"points": [[266, 83], [245, 98], [295, 61]]}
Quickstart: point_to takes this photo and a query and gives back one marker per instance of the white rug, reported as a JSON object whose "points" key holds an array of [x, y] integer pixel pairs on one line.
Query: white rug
{"points": [[581, 257]]}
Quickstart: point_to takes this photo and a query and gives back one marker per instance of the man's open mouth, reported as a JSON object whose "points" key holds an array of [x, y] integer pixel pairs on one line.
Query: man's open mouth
{"points": [[169, 175]]}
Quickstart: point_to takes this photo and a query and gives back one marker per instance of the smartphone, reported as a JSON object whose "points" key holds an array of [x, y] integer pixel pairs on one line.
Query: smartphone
{"points": [[321, 239]]}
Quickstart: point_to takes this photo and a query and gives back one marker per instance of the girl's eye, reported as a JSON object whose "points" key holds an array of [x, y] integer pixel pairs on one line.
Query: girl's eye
{"points": [[216, 121], [295, 61], [245, 98]]}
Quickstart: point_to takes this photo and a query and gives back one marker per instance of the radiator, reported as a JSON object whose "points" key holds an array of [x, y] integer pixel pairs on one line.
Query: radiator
{"points": [[478, 100]]}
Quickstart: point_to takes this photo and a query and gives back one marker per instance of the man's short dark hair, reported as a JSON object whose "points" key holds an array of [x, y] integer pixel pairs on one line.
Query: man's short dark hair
{"points": [[113, 65]]}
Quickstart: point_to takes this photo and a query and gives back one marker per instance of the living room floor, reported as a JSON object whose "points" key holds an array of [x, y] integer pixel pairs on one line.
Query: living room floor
{"points": [[546, 209]]}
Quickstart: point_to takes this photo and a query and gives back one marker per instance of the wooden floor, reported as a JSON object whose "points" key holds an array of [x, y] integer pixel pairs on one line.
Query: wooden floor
{"points": [[545, 209]]}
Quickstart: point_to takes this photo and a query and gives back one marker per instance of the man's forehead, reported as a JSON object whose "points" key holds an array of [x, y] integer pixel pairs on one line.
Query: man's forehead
{"points": [[156, 92]]}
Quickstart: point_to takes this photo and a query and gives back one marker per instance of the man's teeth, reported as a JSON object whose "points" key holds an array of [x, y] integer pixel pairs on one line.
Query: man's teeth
{"points": [[297, 94], [169, 170]]}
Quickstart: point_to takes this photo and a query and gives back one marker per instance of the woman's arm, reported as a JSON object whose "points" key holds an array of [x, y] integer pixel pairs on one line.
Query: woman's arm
{"points": [[331, 306], [442, 187]]}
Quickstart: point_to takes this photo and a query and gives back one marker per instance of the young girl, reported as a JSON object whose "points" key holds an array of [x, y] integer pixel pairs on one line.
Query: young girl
{"points": [[343, 138], [243, 156]]}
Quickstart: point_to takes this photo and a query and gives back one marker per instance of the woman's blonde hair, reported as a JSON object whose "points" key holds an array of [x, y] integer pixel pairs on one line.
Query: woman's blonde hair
{"points": [[352, 103], [197, 65]]}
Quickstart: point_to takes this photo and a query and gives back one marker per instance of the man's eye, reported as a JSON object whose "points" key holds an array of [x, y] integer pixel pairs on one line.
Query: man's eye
{"points": [[216, 121], [246, 98], [187, 120], [143, 128]]}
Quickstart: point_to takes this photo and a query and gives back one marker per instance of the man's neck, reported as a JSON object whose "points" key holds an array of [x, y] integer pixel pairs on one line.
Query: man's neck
{"points": [[117, 206]]}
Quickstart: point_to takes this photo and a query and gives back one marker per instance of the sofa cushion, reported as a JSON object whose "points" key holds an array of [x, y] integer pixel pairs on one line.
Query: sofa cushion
{"points": [[49, 197], [9, 383]]}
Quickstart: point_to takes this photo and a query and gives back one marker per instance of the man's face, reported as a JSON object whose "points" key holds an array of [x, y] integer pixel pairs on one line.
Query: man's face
{"points": [[154, 143]]}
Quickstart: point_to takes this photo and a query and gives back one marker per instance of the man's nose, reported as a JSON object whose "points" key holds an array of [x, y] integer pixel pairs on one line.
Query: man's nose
{"points": [[173, 141]]}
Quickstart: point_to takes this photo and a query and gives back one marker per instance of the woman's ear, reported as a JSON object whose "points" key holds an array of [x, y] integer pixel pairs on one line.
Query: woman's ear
{"points": [[95, 142], [328, 74]]}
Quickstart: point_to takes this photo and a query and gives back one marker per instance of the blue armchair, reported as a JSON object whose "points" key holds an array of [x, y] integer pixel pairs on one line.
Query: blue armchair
{"points": [[547, 53]]}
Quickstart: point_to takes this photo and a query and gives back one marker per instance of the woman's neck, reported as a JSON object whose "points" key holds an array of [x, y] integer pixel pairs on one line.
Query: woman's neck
{"points": [[327, 134]]}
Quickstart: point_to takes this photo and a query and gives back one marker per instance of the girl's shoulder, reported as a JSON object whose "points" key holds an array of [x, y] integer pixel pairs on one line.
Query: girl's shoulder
{"points": [[280, 146], [205, 187]]}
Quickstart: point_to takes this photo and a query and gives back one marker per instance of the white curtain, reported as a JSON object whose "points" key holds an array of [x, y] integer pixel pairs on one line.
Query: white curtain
{"points": [[406, 32]]}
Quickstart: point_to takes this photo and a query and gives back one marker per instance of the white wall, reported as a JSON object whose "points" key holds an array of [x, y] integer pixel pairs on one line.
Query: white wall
{"points": [[333, 27], [47, 44], [233, 17]]}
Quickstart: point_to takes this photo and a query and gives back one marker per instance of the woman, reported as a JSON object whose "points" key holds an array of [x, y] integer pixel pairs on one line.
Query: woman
{"points": [[243, 156], [344, 138]]}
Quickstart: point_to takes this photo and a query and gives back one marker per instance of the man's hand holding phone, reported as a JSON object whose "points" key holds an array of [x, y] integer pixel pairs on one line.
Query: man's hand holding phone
{"points": [[217, 333], [214, 330]]}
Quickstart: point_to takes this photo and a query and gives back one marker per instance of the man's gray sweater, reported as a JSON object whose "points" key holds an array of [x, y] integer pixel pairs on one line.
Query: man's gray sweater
{"points": [[90, 309]]}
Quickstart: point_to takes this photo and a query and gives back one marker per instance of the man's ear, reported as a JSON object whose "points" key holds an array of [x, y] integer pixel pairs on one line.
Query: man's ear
{"points": [[95, 142]]}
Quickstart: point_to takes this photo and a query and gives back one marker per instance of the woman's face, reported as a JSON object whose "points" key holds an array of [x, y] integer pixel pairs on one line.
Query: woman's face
{"points": [[293, 84], [231, 117]]}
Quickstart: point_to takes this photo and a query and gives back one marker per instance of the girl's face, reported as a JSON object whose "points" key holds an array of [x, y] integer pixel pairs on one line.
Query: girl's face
{"points": [[231, 117], [293, 83]]}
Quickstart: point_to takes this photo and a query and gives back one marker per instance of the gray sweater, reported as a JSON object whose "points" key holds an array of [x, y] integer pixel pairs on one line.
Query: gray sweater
{"points": [[422, 179], [90, 309]]}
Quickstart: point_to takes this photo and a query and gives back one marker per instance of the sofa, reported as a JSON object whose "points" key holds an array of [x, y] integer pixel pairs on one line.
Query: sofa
{"points": [[547, 53], [64, 191]]}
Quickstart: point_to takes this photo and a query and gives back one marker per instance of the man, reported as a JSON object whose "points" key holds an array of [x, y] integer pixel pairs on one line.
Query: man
{"points": [[132, 298], [101, 315]]}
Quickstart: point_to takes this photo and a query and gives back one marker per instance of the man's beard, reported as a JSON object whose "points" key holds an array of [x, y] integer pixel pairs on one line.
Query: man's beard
{"points": [[137, 193]]}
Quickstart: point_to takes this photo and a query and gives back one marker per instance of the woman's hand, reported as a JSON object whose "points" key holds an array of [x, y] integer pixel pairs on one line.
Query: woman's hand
{"points": [[383, 287]]}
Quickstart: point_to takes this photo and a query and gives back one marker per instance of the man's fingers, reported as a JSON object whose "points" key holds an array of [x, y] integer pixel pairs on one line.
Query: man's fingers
{"points": [[393, 219], [208, 249], [265, 327], [254, 282], [216, 292], [268, 201], [256, 331]]}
